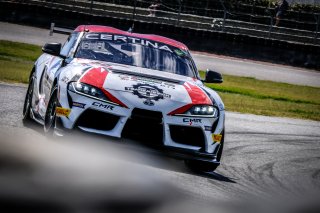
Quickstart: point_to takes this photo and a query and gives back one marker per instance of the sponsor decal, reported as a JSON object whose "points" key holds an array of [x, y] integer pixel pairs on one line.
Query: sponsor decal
{"points": [[101, 105], [124, 77], [41, 104], [146, 81], [127, 39], [65, 79], [180, 52], [149, 92], [148, 102], [168, 85], [62, 112], [77, 104], [192, 120], [216, 138], [208, 128]]}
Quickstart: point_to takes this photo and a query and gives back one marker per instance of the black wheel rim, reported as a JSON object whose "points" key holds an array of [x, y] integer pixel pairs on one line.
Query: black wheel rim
{"points": [[28, 99], [50, 114]]}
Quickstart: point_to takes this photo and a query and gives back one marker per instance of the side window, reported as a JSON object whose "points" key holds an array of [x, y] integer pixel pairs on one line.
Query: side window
{"points": [[65, 51]]}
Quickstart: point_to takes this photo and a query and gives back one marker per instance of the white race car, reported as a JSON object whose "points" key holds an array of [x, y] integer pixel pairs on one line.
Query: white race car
{"points": [[122, 84]]}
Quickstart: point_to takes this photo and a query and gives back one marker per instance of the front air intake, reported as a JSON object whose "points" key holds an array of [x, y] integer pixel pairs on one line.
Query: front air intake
{"points": [[187, 135], [94, 119], [144, 125]]}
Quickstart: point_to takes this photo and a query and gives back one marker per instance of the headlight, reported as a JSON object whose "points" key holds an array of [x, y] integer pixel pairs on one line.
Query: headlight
{"points": [[87, 90], [203, 110], [196, 110]]}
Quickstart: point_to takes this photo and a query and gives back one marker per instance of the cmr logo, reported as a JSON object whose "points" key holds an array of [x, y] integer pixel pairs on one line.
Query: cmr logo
{"points": [[192, 120], [105, 106]]}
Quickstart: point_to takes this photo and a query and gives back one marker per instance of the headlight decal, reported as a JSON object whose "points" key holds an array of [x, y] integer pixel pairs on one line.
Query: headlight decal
{"points": [[181, 110], [201, 104], [197, 95], [94, 79]]}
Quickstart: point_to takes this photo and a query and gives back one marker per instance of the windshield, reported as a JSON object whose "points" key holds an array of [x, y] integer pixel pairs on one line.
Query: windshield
{"points": [[136, 52]]}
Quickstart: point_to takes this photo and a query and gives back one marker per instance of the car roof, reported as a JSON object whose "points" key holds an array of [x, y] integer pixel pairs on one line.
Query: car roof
{"points": [[106, 29]]}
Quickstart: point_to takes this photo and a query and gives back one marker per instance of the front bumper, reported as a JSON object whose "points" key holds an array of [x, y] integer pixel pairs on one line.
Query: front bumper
{"points": [[190, 155], [172, 134]]}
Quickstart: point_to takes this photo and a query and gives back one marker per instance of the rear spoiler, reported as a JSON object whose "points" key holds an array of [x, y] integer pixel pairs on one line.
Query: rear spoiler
{"points": [[60, 30]]}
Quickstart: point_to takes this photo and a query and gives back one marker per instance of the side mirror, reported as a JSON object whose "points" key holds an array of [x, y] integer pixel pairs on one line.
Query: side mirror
{"points": [[52, 48], [213, 77]]}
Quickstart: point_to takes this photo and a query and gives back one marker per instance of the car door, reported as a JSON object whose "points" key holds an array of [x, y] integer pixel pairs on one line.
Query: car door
{"points": [[51, 71]]}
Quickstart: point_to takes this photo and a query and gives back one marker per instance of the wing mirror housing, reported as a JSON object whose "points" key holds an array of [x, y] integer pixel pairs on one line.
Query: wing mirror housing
{"points": [[213, 77], [52, 49]]}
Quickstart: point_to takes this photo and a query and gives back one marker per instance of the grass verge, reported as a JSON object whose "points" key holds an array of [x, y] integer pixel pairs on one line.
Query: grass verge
{"points": [[240, 94], [249, 95], [16, 60]]}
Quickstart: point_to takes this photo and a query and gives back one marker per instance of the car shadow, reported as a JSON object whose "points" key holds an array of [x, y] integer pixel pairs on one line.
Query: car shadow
{"points": [[155, 158], [216, 176], [33, 125]]}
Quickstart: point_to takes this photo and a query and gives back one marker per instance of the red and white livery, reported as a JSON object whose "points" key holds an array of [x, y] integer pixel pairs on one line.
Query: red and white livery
{"points": [[121, 84]]}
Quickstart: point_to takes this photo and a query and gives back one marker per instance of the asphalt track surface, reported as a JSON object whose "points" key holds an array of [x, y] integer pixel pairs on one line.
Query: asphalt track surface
{"points": [[269, 164], [266, 160], [225, 65]]}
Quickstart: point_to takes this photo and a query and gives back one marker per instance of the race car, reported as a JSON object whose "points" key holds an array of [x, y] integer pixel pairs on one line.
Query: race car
{"points": [[122, 84]]}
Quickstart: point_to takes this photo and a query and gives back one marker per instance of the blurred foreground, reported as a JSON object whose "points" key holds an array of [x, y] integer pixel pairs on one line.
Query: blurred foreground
{"points": [[82, 174]]}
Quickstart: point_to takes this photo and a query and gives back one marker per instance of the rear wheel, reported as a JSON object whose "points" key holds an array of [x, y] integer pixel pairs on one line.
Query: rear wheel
{"points": [[28, 101], [203, 166], [50, 116]]}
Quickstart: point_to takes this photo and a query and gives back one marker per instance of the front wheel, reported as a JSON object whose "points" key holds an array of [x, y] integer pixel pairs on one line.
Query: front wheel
{"points": [[28, 101], [50, 117]]}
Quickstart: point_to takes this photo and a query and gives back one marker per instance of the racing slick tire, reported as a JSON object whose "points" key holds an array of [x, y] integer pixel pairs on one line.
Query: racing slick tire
{"points": [[204, 166], [26, 118], [50, 116]]}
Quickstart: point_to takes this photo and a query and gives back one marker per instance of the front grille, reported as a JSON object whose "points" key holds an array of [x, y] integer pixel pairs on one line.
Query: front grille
{"points": [[187, 135], [146, 115], [97, 120], [144, 125]]}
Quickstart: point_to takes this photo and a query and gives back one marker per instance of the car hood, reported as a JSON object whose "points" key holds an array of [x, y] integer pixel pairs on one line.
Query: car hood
{"points": [[132, 86]]}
